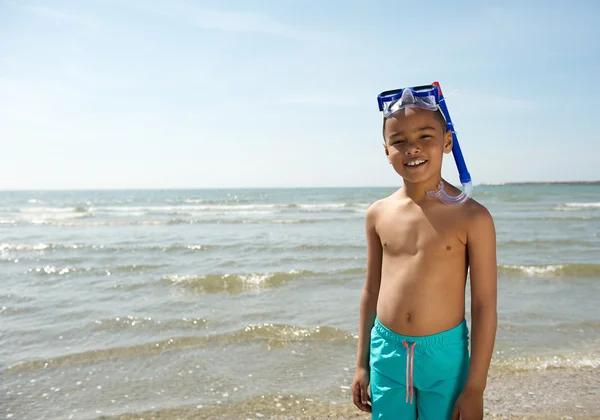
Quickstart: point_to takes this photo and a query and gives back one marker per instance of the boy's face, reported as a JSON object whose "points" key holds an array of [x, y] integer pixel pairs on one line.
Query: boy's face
{"points": [[415, 142]]}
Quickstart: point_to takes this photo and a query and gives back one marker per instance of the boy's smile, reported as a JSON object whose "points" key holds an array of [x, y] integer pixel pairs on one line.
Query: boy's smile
{"points": [[415, 163]]}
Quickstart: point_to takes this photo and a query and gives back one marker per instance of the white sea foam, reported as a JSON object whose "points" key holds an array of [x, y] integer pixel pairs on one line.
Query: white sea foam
{"points": [[535, 270], [238, 209], [322, 206], [175, 209], [583, 205], [254, 278], [41, 215], [577, 206], [38, 210], [576, 361]]}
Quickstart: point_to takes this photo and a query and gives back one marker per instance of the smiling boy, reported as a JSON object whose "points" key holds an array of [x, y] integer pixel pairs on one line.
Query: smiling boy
{"points": [[413, 337]]}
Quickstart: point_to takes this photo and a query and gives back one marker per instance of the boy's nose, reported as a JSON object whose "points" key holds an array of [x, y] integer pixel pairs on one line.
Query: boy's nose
{"points": [[412, 148]]}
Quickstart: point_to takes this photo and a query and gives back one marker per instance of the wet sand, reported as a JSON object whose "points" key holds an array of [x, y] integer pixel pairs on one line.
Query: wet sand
{"points": [[548, 394]]}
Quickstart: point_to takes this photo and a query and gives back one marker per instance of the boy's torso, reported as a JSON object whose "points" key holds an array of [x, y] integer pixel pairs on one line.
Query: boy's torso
{"points": [[424, 265]]}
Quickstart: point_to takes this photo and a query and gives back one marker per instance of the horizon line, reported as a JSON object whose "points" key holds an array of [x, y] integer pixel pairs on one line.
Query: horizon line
{"points": [[483, 184]]}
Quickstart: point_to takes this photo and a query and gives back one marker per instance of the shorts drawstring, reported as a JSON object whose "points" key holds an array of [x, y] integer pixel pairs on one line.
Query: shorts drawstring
{"points": [[410, 354]]}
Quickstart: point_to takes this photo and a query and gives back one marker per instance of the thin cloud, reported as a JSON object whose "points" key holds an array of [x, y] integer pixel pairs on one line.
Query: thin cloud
{"points": [[230, 21], [491, 102], [244, 22], [319, 99], [59, 15]]}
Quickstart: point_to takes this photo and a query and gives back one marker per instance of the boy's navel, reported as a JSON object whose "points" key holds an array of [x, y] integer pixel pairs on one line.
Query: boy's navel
{"points": [[448, 248], [408, 316]]}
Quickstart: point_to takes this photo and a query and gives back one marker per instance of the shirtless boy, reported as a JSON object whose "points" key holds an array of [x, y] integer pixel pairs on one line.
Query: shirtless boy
{"points": [[413, 350]]}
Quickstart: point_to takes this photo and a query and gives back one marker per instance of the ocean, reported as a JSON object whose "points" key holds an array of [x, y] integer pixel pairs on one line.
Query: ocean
{"points": [[244, 303]]}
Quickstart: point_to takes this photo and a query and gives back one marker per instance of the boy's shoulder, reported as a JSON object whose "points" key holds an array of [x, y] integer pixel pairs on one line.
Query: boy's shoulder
{"points": [[377, 206], [474, 210], [477, 219]]}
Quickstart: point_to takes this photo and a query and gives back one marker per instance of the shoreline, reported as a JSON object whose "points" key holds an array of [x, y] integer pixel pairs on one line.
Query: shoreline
{"points": [[549, 394]]}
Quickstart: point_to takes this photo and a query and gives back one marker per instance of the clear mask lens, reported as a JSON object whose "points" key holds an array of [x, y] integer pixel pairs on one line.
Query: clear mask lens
{"points": [[409, 98]]}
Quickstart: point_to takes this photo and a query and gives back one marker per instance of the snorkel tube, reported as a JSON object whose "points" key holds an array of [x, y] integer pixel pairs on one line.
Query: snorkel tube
{"points": [[465, 177]]}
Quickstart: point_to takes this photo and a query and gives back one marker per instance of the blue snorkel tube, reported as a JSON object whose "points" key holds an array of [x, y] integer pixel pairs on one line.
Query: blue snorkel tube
{"points": [[464, 175]]}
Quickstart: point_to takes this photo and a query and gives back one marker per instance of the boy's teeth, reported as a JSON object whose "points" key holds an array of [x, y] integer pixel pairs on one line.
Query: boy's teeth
{"points": [[415, 162]]}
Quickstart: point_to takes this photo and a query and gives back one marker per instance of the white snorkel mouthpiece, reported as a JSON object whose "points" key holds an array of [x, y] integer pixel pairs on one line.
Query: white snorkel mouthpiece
{"points": [[445, 198]]}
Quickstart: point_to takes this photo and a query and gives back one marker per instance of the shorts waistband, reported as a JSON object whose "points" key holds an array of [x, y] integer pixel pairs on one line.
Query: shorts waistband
{"points": [[457, 334]]}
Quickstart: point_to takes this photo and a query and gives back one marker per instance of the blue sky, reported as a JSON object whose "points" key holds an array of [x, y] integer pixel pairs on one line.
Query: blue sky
{"points": [[264, 93]]}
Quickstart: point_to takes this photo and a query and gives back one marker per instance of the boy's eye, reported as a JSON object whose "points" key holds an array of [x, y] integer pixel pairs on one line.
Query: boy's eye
{"points": [[425, 136]]}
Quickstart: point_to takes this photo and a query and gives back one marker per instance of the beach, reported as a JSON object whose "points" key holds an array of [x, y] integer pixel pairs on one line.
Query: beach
{"points": [[243, 304]]}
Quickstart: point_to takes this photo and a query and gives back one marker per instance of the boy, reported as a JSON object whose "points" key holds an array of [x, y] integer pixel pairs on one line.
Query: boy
{"points": [[413, 338]]}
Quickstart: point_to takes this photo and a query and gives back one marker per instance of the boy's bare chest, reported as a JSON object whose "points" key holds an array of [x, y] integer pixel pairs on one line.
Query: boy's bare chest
{"points": [[411, 234]]}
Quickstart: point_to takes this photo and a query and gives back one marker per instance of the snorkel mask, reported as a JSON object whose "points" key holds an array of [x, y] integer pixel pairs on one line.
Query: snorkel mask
{"points": [[430, 97]]}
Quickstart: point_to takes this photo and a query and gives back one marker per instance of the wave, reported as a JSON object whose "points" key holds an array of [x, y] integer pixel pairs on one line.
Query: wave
{"points": [[320, 207], [148, 323], [354, 271], [18, 310], [222, 207], [233, 283], [169, 222], [45, 218], [43, 210], [136, 268], [538, 363], [540, 243], [34, 247], [194, 206], [176, 208], [40, 215], [322, 247], [238, 283], [157, 215], [578, 206], [553, 270], [5, 247], [173, 248], [208, 201], [585, 205], [51, 269], [132, 268], [566, 217], [271, 335], [534, 320]]}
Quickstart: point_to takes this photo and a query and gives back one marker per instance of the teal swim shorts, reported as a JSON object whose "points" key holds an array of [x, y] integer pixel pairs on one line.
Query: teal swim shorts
{"points": [[417, 376]]}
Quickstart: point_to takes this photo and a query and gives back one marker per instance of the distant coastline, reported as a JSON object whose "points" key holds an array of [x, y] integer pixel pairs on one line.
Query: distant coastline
{"points": [[126, 189], [543, 183]]}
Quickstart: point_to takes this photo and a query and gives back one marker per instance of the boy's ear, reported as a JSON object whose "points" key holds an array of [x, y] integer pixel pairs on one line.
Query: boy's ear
{"points": [[448, 141], [387, 152]]}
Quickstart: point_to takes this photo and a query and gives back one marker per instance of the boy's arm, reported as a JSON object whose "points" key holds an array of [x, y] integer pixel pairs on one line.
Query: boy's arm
{"points": [[368, 301], [481, 245]]}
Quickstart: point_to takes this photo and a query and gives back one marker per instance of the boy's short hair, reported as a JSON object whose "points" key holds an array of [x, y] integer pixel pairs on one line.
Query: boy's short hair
{"points": [[438, 116]]}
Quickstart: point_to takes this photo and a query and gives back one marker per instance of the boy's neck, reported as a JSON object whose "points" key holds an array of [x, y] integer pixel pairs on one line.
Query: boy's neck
{"points": [[417, 192]]}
